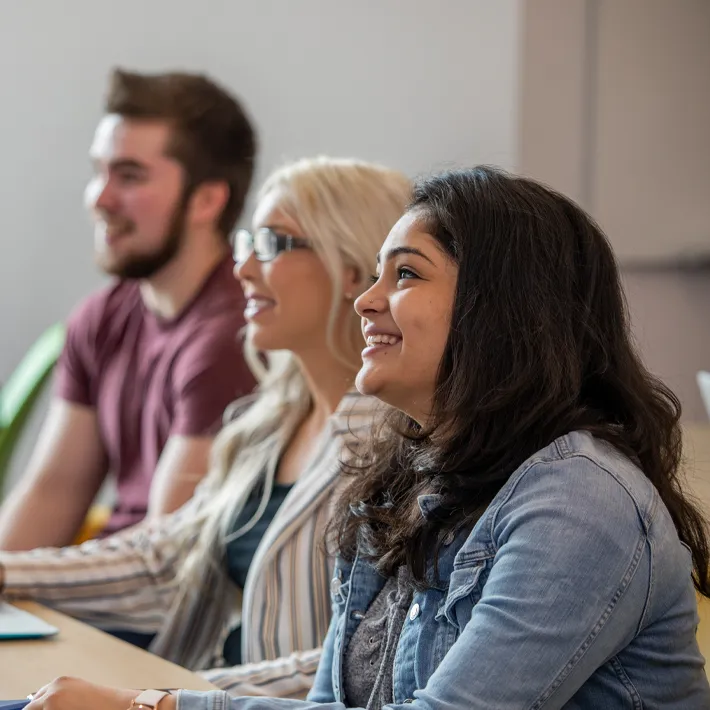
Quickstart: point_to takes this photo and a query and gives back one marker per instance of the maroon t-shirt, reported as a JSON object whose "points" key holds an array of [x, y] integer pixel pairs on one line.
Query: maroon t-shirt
{"points": [[148, 378]]}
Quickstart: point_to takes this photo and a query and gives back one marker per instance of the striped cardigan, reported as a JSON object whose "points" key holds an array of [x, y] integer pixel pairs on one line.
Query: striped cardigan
{"points": [[127, 581]]}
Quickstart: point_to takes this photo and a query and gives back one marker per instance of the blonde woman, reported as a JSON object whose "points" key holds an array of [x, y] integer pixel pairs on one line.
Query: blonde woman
{"points": [[239, 575]]}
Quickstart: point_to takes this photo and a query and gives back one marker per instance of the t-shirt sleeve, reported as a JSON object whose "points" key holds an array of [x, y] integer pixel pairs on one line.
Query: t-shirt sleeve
{"points": [[210, 374], [72, 374]]}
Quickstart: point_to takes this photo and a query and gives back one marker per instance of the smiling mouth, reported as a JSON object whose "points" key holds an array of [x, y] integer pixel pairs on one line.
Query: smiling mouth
{"points": [[256, 305], [379, 343], [114, 232]]}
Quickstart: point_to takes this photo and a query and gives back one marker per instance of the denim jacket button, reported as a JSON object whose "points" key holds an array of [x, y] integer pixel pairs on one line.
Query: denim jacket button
{"points": [[414, 612]]}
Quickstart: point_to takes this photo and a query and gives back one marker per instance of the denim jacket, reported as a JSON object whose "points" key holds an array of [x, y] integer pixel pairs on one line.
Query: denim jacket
{"points": [[572, 591]]}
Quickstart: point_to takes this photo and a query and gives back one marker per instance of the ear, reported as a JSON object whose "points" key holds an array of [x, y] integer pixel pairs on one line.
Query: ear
{"points": [[352, 283], [207, 202]]}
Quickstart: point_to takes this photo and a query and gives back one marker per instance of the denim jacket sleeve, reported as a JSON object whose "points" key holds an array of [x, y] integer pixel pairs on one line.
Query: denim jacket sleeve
{"points": [[567, 589]]}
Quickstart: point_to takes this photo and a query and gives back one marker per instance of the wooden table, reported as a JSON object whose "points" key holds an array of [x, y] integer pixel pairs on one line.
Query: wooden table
{"points": [[80, 650]]}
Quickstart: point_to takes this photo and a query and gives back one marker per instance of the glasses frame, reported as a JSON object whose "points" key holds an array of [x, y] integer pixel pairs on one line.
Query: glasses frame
{"points": [[278, 243]]}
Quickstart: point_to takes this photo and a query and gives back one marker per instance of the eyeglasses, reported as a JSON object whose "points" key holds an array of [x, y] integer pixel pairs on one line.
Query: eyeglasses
{"points": [[265, 243]]}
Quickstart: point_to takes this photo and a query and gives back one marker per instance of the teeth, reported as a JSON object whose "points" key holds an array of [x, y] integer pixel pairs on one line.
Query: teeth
{"points": [[114, 229], [382, 338]]}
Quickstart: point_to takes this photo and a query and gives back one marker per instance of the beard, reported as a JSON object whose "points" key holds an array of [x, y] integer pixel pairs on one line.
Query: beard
{"points": [[143, 266]]}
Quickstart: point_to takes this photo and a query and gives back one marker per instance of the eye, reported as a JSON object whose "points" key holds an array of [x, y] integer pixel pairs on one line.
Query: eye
{"points": [[373, 278], [404, 273], [129, 177]]}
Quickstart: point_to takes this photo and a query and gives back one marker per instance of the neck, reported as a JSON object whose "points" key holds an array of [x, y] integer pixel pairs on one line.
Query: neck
{"points": [[167, 292], [328, 381]]}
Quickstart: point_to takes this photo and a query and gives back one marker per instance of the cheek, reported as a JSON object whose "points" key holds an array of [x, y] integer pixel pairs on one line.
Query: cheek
{"points": [[147, 206], [279, 280], [437, 345], [439, 330], [425, 331], [417, 319], [424, 355], [302, 291]]}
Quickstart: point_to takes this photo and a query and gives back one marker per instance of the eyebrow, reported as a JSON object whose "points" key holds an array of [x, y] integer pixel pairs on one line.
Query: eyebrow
{"points": [[122, 164], [404, 250]]}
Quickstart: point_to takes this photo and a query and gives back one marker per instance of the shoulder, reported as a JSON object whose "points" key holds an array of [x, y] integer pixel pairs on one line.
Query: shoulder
{"points": [[578, 484], [212, 334], [210, 330], [580, 501], [105, 308], [212, 351]]}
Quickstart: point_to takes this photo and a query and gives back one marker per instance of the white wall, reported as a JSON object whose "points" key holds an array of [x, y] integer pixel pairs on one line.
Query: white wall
{"points": [[412, 83], [615, 112], [650, 96], [669, 310], [612, 113]]}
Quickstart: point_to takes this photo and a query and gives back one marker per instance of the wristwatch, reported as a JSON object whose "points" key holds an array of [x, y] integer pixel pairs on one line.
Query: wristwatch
{"points": [[148, 699]]}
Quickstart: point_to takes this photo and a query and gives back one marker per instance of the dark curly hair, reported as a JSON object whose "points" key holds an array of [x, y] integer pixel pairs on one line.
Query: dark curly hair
{"points": [[539, 346]]}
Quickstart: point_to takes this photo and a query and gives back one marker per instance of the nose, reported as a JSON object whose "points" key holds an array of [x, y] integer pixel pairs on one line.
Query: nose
{"points": [[371, 301], [100, 195], [247, 270]]}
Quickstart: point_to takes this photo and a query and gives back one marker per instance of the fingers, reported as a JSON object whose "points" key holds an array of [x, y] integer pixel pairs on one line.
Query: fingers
{"points": [[37, 700]]}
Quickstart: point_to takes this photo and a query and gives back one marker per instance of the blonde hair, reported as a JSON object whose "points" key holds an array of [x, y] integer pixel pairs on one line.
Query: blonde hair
{"points": [[346, 207]]}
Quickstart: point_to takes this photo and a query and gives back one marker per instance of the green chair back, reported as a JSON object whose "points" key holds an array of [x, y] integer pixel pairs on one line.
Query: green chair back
{"points": [[20, 392]]}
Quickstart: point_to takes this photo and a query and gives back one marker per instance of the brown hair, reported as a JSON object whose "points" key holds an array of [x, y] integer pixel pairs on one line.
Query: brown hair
{"points": [[540, 346], [212, 137]]}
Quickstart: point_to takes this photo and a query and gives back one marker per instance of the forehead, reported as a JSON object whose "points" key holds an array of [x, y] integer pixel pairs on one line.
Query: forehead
{"points": [[410, 230], [270, 212], [117, 137]]}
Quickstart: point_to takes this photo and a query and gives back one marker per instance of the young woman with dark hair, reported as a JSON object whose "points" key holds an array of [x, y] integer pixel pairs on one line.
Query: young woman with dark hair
{"points": [[519, 537]]}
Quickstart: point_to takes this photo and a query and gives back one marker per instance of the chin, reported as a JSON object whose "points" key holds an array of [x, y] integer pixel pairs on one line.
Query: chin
{"points": [[367, 384], [108, 264], [115, 264], [264, 340]]}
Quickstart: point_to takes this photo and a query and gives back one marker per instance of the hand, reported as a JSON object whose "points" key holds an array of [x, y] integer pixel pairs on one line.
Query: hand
{"points": [[75, 694]]}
